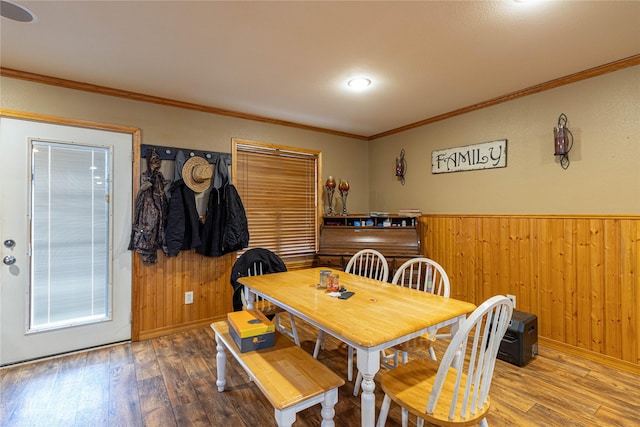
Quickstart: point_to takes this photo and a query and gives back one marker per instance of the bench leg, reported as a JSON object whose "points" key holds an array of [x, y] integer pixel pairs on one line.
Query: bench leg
{"points": [[221, 364], [328, 411], [285, 417]]}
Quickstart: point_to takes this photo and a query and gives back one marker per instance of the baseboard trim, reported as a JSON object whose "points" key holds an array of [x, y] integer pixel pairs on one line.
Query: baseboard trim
{"points": [[154, 333], [590, 355]]}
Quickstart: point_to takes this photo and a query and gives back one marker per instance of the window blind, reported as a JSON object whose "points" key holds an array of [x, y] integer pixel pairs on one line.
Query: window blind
{"points": [[278, 187], [70, 261]]}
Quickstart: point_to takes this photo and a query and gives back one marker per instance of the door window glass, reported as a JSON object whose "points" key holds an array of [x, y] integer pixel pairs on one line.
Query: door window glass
{"points": [[70, 280]]}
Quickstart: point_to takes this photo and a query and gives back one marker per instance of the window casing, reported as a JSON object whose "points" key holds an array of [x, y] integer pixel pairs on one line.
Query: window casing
{"points": [[279, 190]]}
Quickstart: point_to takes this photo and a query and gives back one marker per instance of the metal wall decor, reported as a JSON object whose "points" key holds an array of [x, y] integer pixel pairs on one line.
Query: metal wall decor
{"points": [[562, 141], [401, 166]]}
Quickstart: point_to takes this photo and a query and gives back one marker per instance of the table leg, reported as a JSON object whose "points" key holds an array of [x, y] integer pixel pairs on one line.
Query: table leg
{"points": [[368, 364], [221, 364], [454, 330], [456, 325], [249, 297]]}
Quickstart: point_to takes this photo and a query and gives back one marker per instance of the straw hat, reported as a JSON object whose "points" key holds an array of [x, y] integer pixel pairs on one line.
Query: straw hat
{"points": [[197, 173]]}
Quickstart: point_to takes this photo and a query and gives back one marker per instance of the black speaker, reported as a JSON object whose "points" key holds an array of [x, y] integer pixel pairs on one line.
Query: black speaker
{"points": [[520, 343]]}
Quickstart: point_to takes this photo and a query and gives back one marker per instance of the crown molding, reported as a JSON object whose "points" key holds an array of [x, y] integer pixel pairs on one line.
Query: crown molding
{"points": [[103, 90]]}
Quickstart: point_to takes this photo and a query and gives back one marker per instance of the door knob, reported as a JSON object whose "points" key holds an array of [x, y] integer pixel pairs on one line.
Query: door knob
{"points": [[9, 243], [9, 260]]}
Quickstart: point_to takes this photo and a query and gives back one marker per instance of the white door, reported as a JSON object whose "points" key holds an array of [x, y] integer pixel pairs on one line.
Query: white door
{"points": [[65, 221]]}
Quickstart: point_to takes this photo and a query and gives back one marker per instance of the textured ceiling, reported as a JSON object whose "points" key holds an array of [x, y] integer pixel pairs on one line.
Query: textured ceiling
{"points": [[290, 60]]}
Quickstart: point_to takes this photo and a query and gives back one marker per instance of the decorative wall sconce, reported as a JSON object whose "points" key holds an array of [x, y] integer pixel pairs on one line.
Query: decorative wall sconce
{"points": [[401, 166], [562, 141], [330, 187]]}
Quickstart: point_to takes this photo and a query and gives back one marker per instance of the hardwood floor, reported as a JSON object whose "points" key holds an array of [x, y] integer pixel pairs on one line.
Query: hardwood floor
{"points": [[170, 381]]}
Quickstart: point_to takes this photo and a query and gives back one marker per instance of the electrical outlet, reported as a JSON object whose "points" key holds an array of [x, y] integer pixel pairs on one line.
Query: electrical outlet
{"points": [[513, 299], [188, 297]]}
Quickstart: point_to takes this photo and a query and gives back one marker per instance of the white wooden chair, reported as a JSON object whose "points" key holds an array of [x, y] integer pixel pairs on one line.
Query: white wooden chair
{"points": [[368, 263], [426, 275], [262, 261], [423, 274], [455, 392], [269, 309]]}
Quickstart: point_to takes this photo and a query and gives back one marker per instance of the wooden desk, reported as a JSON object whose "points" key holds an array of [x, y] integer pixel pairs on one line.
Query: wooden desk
{"points": [[340, 239], [378, 316]]}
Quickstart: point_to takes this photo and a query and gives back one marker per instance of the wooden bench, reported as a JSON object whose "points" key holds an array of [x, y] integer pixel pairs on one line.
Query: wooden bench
{"points": [[290, 378]]}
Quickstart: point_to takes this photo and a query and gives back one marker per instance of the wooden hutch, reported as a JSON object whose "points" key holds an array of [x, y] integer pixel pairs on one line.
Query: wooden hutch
{"points": [[395, 236]]}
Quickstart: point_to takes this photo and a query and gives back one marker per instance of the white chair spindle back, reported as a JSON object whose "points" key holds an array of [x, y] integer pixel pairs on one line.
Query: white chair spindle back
{"points": [[369, 263], [423, 274], [485, 327]]}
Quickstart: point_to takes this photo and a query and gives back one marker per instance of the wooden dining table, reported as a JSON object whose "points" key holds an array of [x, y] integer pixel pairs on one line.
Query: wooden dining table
{"points": [[378, 315]]}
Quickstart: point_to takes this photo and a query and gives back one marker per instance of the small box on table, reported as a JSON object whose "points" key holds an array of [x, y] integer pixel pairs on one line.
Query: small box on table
{"points": [[251, 330]]}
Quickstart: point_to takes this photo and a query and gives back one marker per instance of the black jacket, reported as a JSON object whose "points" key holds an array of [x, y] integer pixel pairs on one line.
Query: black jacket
{"points": [[183, 224], [235, 232], [254, 262], [225, 229]]}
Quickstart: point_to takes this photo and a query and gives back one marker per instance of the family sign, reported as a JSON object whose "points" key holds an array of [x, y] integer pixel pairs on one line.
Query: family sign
{"points": [[488, 155]]}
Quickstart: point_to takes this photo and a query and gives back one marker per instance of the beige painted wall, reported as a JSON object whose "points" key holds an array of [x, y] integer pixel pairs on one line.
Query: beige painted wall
{"points": [[603, 177], [175, 127]]}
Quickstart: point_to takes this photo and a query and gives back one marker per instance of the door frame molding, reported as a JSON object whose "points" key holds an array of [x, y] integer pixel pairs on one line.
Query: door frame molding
{"points": [[136, 135]]}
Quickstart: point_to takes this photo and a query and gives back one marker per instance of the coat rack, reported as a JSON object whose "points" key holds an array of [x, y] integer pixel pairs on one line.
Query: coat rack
{"points": [[169, 153]]}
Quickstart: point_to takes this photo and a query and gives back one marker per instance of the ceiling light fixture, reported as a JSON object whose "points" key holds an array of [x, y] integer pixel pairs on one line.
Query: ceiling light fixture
{"points": [[15, 12], [359, 83]]}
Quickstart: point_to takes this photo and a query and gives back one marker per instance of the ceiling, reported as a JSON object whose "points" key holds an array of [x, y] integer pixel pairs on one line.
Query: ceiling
{"points": [[289, 61]]}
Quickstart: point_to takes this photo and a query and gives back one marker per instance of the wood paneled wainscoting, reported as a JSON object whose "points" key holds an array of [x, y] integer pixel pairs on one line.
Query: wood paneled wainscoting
{"points": [[579, 274], [158, 293]]}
